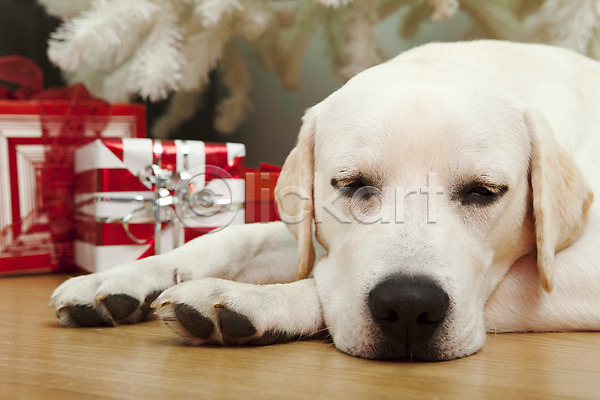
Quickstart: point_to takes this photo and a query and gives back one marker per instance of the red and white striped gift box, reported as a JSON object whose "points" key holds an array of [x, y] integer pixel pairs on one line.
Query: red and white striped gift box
{"points": [[26, 244], [129, 207]]}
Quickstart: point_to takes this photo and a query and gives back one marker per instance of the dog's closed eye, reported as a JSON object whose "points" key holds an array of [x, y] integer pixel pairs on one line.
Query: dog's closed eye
{"points": [[480, 193], [354, 185]]}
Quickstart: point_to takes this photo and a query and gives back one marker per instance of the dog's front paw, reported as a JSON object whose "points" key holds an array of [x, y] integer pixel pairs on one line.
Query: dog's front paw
{"points": [[224, 312], [121, 295]]}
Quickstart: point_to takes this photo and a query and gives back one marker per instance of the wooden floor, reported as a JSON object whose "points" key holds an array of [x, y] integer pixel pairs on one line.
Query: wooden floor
{"points": [[39, 359]]}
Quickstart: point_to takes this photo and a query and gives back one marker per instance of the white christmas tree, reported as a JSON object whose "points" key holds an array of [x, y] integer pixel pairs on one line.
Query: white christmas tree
{"points": [[155, 48]]}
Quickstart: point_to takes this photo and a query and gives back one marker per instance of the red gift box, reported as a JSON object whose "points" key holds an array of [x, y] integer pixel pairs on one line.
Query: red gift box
{"points": [[26, 241], [138, 197], [260, 193]]}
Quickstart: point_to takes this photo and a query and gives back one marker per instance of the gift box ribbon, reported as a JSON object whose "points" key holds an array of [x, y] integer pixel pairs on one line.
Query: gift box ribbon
{"points": [[82, 120]]}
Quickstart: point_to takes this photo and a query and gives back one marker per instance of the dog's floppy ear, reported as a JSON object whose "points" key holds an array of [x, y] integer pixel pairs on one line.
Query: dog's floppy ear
{"points": [[294, 194], [561, 197]]}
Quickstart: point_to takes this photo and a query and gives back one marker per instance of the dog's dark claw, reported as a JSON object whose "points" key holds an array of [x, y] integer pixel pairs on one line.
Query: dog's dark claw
{"points": [[147, 301], [235, 325], [197, 324], [121, 305], [85, 315]]}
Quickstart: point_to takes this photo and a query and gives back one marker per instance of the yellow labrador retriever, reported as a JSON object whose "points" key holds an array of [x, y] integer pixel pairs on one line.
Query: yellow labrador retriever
{"points": [[440, 195]]}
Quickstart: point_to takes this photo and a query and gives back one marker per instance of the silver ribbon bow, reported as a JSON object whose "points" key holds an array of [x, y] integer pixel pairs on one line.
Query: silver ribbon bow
{"points": [[176, 197]]}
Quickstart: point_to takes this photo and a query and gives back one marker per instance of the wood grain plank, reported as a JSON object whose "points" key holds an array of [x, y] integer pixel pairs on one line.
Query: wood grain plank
{"points": [[39, 359]]}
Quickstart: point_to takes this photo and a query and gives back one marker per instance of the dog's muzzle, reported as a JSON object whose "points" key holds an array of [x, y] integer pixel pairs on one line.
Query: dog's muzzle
{"points": [[408, 310]]}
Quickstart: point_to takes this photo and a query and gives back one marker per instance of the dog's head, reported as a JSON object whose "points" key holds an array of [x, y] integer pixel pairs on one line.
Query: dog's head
{"points": [[424, 183]]}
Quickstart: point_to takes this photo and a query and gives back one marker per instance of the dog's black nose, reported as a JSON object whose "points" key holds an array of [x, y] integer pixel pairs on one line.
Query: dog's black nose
{"points": [[408, 310]]}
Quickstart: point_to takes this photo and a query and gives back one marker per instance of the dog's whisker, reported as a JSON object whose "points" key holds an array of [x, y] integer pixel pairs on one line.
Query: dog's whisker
{"points": [[490, 321], [322, 332]]}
